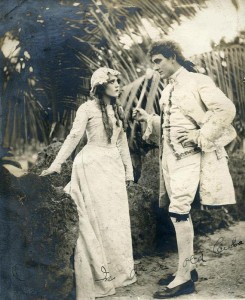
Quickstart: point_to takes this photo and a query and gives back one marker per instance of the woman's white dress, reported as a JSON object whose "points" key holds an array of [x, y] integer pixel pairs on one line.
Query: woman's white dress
{"points": [[103, 255]]}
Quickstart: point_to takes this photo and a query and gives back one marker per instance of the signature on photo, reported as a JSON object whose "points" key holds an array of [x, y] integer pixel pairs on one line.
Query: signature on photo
{"points": [[219, 247], [107, 276], [194, 259]]}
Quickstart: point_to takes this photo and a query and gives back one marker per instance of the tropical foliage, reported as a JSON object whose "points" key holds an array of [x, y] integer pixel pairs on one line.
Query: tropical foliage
{"points": [[49, 50], [42, 78], [45, 73], [119, 32]]}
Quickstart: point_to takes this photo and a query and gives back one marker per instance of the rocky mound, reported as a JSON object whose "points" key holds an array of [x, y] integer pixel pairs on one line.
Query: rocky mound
{"points": [[39, 232]]}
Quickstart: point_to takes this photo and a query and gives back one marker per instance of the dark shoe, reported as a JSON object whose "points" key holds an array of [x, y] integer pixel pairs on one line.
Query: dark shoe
{"points": [[182, 289], [166, 280], [170, 277]]}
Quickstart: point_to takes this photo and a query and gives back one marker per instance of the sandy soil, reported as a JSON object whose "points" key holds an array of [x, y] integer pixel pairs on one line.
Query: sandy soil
{"points": [[221, 276]]}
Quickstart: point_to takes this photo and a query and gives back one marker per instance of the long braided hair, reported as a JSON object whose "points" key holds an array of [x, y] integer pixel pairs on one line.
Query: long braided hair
{"points": [[117, 108]]}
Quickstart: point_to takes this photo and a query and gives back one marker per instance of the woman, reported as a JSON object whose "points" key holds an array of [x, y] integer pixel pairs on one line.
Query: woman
{"points": [[103, 255]]}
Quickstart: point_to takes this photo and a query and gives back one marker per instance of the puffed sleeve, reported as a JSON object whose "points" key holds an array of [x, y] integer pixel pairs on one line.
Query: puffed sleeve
{"points": [[152, 132], [72, 140], [220, 113], [122, 145]]}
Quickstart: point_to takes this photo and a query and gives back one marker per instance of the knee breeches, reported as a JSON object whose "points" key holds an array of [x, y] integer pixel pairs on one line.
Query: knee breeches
{"points": [[181, 179]]}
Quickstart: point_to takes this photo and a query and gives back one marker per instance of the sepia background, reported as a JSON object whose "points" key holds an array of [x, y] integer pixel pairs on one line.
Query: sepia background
{"points": [[48, 51]]}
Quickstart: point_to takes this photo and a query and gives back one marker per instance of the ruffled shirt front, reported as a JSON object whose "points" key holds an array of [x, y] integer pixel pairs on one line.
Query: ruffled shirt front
{"points": [[196, 103], [173, 122]]}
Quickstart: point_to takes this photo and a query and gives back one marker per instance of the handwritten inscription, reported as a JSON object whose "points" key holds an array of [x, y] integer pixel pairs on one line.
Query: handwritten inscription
{"points": [[107, 276], [194, 259], [220, 247]]}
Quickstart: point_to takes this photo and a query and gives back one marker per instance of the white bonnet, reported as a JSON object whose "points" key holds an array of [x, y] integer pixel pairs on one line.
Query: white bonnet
{"points": [[101, 76]]}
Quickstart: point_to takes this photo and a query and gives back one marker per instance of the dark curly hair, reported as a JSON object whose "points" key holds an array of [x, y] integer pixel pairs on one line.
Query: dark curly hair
{"points": [[171, 49], [118, 111]]}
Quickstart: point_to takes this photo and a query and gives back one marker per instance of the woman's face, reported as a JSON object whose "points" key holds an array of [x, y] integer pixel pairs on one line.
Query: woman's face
{"points": [[112, 88]]}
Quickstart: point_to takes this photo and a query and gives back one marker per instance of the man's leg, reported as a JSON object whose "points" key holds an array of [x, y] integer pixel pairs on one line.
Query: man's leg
{"points": [[184, 236], [193, 265], [181, 179]]}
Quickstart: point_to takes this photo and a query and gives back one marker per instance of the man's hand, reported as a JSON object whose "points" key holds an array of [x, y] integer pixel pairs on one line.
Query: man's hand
{"points": [[187, 136], [139, 114], [129, 183]]}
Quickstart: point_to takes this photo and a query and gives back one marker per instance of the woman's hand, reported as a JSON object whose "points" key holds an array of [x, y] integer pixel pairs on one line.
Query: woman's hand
{"points": [[139, 114], [129, 183], [49, 171], [188, 136]]}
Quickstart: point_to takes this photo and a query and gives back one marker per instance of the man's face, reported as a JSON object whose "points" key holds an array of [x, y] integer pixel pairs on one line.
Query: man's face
{"points": [[163, 65], [113, 86]]}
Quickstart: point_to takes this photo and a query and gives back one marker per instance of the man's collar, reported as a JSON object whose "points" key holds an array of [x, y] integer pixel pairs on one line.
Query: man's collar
{"points": [[176, 74]]}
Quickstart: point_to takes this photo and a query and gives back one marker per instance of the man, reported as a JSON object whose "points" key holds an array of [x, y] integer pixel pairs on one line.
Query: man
{"points": [[194, 127]]}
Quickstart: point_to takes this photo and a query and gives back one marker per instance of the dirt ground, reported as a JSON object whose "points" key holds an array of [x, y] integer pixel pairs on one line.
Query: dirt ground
{"points": [[221, 276]]}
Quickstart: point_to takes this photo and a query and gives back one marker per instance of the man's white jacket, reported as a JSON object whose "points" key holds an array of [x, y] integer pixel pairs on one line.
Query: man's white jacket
{"points": [[207, 106]]}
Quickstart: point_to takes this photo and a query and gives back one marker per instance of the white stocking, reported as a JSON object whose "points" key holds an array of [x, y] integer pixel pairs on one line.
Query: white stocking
{"points": [[184, 235]]}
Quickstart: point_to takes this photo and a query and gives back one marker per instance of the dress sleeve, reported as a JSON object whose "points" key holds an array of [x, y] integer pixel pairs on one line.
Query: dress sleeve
{"points": [[152, 132], [122, 145], [220, 113], [71, 141]]}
